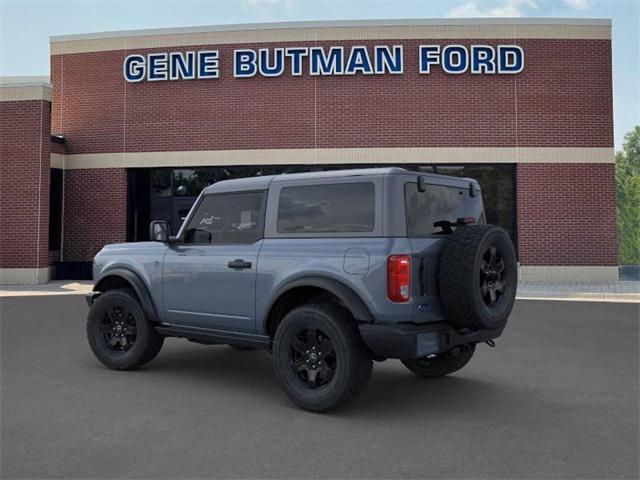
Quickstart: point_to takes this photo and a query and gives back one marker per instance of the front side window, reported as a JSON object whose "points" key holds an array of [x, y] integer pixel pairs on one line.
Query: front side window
{"points": [[231, 218], [337, 208]]}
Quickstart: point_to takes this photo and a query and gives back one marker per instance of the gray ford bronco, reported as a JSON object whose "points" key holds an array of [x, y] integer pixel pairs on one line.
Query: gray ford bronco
{"points": [[327, 270]]}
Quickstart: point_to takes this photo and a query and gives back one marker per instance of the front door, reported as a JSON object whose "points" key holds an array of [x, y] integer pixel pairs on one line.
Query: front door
{"points": [[209, 274]]}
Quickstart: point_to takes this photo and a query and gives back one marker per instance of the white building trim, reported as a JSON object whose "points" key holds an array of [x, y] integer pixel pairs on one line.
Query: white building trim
{"points": [[567, 273], [24, 276], [485, 28], [311, 156], [16, 89]]}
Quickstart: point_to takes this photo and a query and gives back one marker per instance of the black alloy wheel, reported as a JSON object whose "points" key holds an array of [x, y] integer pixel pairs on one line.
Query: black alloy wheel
{"points": [[313, 357], [119, 333], [478, 277], [319, 358], [119, 329], [492, 284]]}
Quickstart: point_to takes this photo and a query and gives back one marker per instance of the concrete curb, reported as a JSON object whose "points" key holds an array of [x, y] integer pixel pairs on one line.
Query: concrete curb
{"points": [[612, 298]]}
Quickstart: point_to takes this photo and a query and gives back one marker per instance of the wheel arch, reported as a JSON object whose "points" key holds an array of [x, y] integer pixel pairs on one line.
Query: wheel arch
{"points": [[122, 277], [347, 297]]}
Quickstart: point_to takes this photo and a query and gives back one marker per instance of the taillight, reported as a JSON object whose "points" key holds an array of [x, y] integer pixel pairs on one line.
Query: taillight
{"points": [[398, 277]]}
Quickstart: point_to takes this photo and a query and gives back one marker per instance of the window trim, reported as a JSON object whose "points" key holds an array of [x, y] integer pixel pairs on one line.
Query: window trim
{"points": [[196, 205]]}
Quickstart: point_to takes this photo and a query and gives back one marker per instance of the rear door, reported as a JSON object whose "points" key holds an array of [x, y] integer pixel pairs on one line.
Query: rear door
{"points": [[209, 276]]}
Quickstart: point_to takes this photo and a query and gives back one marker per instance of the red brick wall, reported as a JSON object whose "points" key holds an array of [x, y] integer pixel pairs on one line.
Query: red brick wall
{"points": [[562, 98], [566, 214], [24, 183], [95, 211]]}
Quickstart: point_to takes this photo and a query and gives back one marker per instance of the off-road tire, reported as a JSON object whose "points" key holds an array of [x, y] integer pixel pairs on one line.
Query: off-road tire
{"points": [[442, 364], [352, 361], [461, 282], [147, 343]]}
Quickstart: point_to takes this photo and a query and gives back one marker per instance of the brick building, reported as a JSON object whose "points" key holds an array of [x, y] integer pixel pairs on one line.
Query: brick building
{"points": [[133, 124]]}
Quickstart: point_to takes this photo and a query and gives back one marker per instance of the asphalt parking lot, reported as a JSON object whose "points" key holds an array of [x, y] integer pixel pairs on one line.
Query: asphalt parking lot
{"points": [[557, 398]]}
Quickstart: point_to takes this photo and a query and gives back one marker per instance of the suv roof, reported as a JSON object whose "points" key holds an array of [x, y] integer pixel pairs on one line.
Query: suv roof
{"points": [[262, 183]]}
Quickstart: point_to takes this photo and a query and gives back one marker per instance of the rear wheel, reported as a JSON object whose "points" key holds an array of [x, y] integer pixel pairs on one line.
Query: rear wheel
{"points": [[319, 358], [119, 333], [441, 364]]}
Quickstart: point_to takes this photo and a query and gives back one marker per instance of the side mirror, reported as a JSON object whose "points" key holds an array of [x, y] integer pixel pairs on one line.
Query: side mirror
{"points": [[159, 231]]}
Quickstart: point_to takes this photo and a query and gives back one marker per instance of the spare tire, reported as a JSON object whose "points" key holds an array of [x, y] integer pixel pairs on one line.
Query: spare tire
{"points": [[478, 277]]}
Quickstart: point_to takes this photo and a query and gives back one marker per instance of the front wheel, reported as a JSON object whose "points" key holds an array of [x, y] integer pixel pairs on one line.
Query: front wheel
{"points": [[441, 364], [319, 358], [120, 335]]}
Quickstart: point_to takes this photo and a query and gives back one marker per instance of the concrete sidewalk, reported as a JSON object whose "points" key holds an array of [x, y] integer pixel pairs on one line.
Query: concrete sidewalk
{"points": [[589, 292], [54, 287]]}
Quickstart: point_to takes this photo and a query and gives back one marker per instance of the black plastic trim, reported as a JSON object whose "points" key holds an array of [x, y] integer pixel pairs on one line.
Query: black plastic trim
{"points": [[137, 284], [214, 337], [405, 340], [347, 296]]}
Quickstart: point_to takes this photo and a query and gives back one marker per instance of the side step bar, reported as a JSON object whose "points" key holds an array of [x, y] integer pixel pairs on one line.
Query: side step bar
{"points": [[214, 337]]}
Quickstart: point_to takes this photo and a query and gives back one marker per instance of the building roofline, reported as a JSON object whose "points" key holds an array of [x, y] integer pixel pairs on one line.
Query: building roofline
{"points": [[25, 81], [18, 89], [333, 24]]}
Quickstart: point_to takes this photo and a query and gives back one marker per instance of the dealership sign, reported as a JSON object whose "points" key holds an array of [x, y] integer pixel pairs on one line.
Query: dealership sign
{"points": [[325, 61]]}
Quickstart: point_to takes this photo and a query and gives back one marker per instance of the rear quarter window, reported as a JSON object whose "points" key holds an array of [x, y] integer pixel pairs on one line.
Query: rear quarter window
{"points": [[331, 208], [437, 203]]}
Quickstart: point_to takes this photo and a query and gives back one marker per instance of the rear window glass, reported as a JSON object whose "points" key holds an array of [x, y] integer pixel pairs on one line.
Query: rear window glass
{"points": [[437, 203], [337, 208]]}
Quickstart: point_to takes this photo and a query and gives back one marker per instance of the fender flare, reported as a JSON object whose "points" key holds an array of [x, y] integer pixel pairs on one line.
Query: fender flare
{"points": [[138, 286], [346, 295]]}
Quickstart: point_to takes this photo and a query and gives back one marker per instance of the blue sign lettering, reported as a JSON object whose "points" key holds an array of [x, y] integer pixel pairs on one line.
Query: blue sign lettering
{"points": [[455, 59], [510, 59], [208, 64], [483, 59], [429, 55], [158, 67], [324, 61], [182, 65], [296, 55], [329, 64], [133, 68], [386, 61], [359, 61], [244, 63], [274, 68]]}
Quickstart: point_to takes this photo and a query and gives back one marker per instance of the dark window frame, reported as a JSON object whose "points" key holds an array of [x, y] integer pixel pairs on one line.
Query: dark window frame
{"points": [[56, 208]]}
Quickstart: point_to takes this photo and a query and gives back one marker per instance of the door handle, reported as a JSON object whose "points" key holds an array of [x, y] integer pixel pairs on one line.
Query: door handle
{"points": [[239, 264]]}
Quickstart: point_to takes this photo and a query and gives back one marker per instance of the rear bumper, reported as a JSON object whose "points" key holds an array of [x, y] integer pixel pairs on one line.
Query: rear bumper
{"points": [[406, 340]]}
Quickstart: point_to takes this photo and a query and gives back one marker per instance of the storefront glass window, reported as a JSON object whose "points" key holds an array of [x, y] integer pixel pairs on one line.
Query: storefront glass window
{"points": [[172, 191]]}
